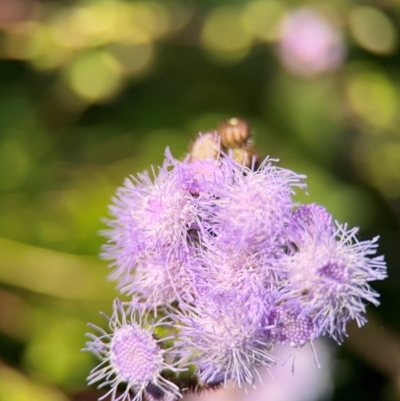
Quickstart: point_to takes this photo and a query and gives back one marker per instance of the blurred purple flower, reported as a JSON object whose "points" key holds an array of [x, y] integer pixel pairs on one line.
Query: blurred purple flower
{"points": [[309, 43]]}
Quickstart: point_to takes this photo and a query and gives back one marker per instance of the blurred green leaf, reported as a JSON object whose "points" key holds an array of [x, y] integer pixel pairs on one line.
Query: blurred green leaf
{"points": [[53, 273], [17, 387]]}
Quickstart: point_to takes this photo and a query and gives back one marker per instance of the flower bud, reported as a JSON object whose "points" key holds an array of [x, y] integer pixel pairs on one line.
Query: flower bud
{"points": [[234, 132]]}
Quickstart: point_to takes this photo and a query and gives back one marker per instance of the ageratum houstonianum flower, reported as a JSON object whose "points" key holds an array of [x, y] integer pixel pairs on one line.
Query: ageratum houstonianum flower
{"points": [[253, 207], [130, 354], [152, 216], [149, 240], [329, 272], [214, 249], [224, 337]]}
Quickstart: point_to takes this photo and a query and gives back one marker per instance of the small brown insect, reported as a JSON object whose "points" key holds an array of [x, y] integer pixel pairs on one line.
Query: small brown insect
{"points": [[234, 132]]}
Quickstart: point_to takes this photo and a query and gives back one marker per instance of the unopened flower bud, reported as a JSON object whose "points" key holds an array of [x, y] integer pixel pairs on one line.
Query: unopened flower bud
{"points": [[205, 146], [234, 132], [246, 156]]}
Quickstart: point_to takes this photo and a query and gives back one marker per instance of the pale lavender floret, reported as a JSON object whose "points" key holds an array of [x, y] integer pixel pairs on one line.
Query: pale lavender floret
{"points": [[222, 335], [328, 276], [129, 354]]}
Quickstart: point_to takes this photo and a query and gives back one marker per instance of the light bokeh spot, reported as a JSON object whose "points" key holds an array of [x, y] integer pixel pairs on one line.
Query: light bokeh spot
{"points": [[261, 18], [134, 59], [384, 168], [373, 97], [373, 30], [224, 35], [17, 387], [94, 76], [46, 52]]}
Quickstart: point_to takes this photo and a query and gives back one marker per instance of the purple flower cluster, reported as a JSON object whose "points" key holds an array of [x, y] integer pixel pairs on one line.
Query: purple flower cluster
{"points": [[221, 265]]}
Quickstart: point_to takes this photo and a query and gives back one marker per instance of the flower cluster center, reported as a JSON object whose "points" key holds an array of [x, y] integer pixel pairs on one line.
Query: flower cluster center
{"points": [[134, 354]]}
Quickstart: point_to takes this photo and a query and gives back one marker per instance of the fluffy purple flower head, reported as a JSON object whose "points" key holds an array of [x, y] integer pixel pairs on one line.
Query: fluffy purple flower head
{"points": [[150, 216], [129, 354], [254, 207], [328, 276], [223, 336], [165, 280], [151, 234]]}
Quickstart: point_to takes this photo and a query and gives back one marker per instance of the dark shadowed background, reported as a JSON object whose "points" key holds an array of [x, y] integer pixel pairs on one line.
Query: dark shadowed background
{"points": [[92, 91]]}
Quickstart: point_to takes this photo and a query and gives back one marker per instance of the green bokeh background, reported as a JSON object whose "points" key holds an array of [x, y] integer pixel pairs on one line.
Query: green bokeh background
{"points": [[92, 91]]}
